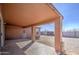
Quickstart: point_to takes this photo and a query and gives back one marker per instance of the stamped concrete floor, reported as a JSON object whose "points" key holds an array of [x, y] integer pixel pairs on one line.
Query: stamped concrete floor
{"points": [[27, 47]]}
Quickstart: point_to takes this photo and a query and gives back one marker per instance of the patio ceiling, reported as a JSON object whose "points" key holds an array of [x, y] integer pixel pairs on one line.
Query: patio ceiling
{"points": [[25, 15]]}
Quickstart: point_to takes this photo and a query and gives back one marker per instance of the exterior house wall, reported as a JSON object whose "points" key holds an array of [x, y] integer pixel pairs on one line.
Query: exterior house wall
{"points": [[27, 33], [13, 32]]}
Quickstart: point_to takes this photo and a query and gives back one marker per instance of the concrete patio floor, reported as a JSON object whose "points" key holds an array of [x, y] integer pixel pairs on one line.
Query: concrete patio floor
{"points": [[43, 46], [70, 45], [26, 47]]}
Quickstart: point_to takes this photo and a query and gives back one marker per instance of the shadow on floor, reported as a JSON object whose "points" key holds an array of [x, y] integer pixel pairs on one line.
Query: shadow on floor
{"points": [[27, 46], [11, 48]]}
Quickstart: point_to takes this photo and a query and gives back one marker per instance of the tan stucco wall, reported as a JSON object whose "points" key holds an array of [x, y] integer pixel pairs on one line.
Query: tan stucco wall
{"points": [[28, 32], [13, 32]]}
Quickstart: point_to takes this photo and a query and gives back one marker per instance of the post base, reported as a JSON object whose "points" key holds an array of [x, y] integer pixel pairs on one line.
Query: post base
{"points": [[60, 52]]}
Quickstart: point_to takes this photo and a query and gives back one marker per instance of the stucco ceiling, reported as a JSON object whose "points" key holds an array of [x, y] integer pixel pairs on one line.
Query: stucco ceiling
{"points": [[28, 14]]}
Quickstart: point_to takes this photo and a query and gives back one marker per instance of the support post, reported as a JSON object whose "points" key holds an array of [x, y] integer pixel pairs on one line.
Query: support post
{"points": [[33, 33], [58, 36]]}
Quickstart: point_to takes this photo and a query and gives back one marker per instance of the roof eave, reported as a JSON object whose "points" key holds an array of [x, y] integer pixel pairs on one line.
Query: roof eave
{"points": [[53, 8]]}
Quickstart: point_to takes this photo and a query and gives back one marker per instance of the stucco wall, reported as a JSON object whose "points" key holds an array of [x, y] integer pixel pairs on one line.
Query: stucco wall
{"points": [[13, 32], [27, 32]]}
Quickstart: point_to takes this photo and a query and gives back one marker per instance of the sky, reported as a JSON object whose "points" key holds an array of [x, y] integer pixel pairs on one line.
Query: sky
{"points": [[70, 12]]}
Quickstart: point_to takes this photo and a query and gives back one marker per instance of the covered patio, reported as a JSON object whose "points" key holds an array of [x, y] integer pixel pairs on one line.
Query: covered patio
{"points": [[31, 15]]}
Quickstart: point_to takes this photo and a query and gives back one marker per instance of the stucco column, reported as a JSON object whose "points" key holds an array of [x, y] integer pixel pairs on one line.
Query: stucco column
{"points": [[58, 36], [33, 37]]}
